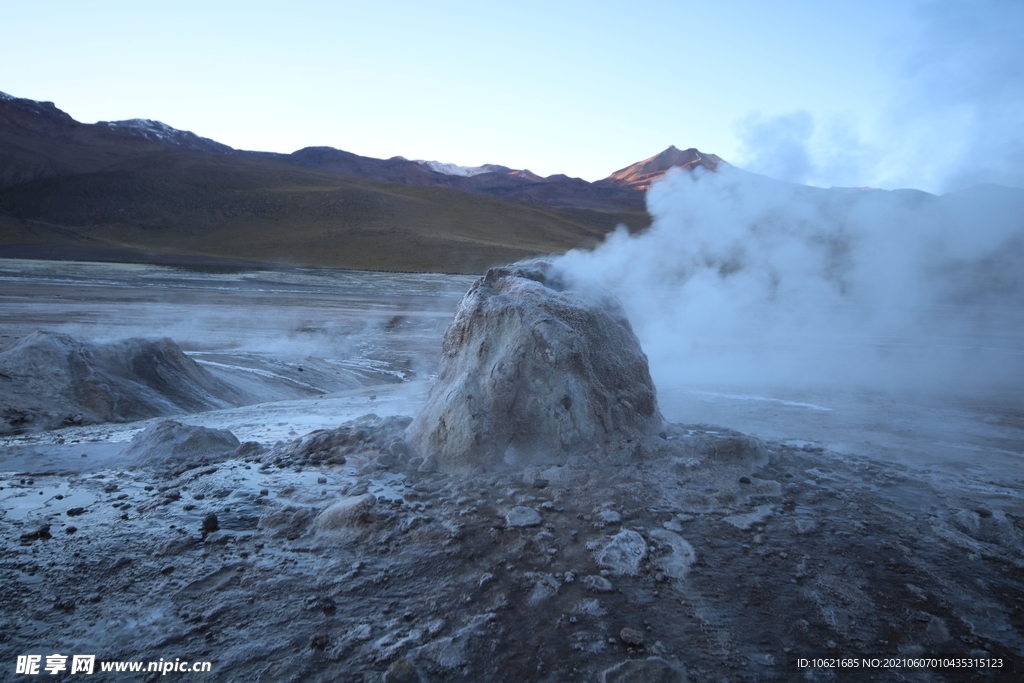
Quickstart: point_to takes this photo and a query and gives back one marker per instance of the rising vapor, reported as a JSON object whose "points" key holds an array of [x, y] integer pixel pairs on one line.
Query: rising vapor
{"points": [[747, 281]]}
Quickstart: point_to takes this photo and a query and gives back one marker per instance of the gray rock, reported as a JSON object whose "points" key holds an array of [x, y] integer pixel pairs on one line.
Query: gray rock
{"points": [[650, 670], [597, 584], [522, 517], [402, 671], [347, 512], [169, 445], [623, 554], [532, 373], [631, 636]]}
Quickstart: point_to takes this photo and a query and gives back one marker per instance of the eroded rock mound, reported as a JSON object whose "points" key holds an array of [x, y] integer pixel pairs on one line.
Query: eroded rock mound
{"points": [[171, 446], [532, 373], [50, 380]]}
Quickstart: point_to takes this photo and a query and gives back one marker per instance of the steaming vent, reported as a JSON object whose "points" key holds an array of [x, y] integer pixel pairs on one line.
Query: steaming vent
{"points": [[532, 373]]}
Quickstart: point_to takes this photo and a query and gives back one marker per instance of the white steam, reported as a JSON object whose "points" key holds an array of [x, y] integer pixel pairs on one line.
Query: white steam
{"points": [[744, 281]]}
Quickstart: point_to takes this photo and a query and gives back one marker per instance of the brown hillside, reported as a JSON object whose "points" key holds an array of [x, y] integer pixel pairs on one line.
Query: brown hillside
{"points": [[234, 207]]}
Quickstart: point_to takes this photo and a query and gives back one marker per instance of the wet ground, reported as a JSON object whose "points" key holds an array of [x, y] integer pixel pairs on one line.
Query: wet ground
{"points": [[860, 526]]}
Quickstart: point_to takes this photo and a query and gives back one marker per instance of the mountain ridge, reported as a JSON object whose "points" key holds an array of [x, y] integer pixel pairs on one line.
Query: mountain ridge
{"points": [[140, 190], [32, 133]]}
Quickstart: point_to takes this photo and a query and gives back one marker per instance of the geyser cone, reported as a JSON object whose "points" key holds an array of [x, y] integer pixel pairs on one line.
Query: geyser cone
{"points": [[531, 374]]}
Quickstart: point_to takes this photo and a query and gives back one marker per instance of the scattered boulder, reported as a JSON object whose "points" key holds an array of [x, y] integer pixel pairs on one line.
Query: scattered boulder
{"points": [[171, 446], [50, 380], [532, 373]]}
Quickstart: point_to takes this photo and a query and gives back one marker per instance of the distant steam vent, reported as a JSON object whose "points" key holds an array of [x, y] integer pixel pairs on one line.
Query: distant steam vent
{"points": [[531, 374]]}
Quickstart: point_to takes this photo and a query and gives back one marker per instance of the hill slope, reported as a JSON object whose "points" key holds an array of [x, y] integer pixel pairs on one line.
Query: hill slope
{"points": [[140, 190], [179, 206]]}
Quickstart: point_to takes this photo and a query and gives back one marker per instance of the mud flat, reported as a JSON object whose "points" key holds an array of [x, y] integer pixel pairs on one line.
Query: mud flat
{"points": [[332, 552]]}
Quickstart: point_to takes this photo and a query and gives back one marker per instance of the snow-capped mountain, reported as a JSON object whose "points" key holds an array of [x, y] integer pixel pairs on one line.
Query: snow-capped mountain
{"points": [[165, 135], [463, 171]]}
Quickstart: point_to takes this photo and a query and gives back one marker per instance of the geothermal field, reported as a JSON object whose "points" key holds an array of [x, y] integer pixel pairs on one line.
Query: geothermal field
{"points": [[310, 475]]}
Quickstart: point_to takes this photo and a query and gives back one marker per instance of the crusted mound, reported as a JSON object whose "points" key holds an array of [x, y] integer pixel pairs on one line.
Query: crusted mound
{"points": [[50, 380], [532, 374], [171, 446]]}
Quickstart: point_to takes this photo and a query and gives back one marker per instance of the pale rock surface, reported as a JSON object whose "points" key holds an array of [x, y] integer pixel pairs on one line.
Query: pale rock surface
{"points": [[623, 554], [521, 517], [347, 512], [50, 380], [531, 374], [680, 557]]}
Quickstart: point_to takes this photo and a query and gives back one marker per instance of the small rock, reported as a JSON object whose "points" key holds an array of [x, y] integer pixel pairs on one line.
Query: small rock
{"points": [[71, 529], [40, 534], [167, 569], [609, 516], [64, 604], [597, 584], [522, 517], [319, 642], [74, 512], [631, 636], [402, 671], [325, 604], [210, 524]]}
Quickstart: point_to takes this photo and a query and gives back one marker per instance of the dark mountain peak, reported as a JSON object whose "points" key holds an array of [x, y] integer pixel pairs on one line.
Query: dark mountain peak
{"points": [[26, 113], [641, 174]]}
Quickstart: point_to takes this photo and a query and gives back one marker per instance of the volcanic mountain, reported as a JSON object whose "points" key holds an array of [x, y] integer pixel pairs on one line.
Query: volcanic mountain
{"points": [[142, 190]]}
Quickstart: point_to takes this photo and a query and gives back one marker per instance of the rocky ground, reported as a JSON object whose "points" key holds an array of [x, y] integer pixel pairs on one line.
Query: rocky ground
{"points": [[538, 521], [697, 555]]}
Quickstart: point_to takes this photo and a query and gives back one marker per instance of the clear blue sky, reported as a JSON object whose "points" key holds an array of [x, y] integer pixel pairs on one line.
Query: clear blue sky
{"points": [[820, 92]]}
